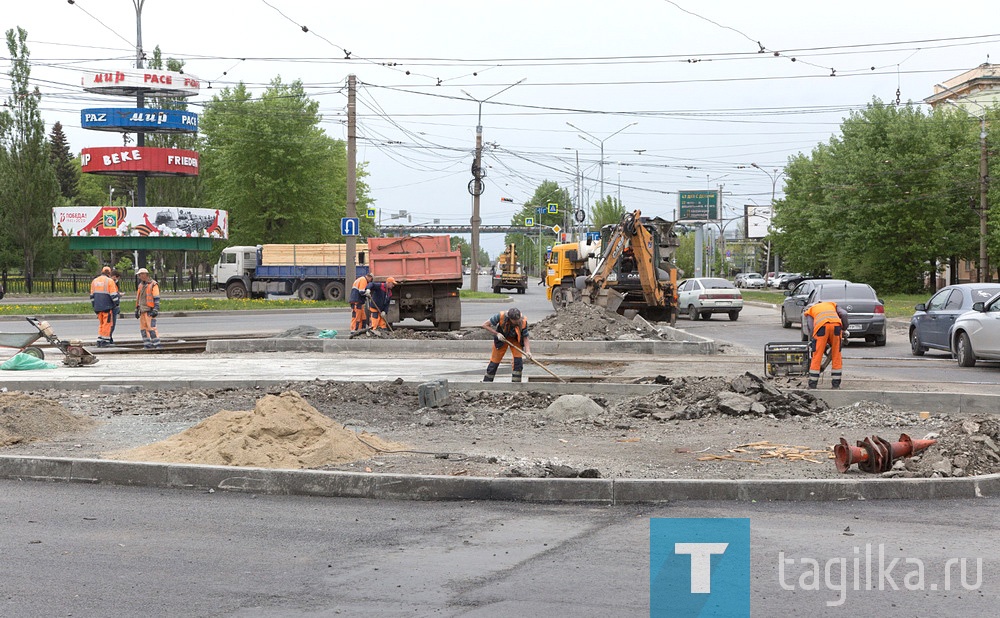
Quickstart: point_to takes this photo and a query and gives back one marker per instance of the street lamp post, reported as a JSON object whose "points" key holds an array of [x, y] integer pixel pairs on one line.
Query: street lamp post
{"points": [[775, 176], [476, 186], [600, 142]]}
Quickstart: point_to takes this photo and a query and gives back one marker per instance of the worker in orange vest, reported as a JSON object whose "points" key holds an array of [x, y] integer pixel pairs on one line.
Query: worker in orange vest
{"points": [[379, 294], [103, 298], [359, 314], [827, 324], [147, 307], [508, 327]]}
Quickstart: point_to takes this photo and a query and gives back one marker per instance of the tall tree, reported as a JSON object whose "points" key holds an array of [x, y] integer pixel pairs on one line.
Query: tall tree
{"points": [[267, 162], [28, 184], [607, 211], [67, 170]]}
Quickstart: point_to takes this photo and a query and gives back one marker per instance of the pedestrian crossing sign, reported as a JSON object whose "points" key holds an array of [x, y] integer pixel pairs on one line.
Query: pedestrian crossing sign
{"points": [[553, 208], [529, 221], [370, 213]]}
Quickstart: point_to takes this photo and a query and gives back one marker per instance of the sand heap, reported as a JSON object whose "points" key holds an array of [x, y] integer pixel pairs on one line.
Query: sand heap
{"points": [[25, 418], [282, 431]]}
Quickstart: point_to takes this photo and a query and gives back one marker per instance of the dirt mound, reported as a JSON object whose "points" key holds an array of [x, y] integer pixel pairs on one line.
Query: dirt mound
{"points": [[26, 418], [282, 431], [964, 448], [583, 322]]}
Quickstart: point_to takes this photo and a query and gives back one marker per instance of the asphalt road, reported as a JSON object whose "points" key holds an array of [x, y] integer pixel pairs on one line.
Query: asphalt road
{"points": [[78, 550]]}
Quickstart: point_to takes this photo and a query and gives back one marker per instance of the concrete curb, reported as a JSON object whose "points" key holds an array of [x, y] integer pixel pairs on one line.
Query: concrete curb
{"points": [[425, 487]]}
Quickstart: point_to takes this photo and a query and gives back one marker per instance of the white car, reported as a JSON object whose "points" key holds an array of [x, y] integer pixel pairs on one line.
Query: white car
{"points": [[750, 281], [704, 296], [976, 334]]}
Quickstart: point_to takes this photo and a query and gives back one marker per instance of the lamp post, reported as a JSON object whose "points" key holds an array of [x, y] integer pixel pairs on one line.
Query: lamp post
{"points": [[600, 142], [984, 263], [775, 176], [111, 196]]}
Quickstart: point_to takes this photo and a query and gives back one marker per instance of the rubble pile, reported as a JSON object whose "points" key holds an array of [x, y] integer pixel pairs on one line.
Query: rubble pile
{"points": [[696, 397], [964, 448], [583, 322]]}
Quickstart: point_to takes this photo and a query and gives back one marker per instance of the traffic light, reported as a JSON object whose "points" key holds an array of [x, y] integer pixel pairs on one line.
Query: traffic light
{"points": [[507, 199]]}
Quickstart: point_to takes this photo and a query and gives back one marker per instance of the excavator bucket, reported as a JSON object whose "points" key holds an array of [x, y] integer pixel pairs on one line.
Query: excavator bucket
{"points": [[609, 299]]}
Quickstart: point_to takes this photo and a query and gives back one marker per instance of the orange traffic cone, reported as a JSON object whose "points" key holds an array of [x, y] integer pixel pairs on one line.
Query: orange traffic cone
{"points": [[876, 454], [845, 455]]}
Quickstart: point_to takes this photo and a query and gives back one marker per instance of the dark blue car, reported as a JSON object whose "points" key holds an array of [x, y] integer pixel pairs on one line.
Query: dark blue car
{"points": [[931, 323]]}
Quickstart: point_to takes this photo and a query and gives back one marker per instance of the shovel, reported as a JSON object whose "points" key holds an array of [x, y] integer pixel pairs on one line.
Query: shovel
{"points": [[532, 359]]}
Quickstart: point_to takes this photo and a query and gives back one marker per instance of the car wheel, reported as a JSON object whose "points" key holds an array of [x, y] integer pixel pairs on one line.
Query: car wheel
{"points": [[880, 341], [706, 315], [915, 348], [734, 315], [785, 322], [692, 313], [963, 351]]}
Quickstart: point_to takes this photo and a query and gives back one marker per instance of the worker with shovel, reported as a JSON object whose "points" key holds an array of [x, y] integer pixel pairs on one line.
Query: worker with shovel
{"points": [[378, 295], [510, 329], [359, 312]]}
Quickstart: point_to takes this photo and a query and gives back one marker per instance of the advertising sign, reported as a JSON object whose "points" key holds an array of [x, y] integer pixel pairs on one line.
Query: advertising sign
{"points": [[135, 119], [150, 81], [700, 205], [129, 160], [758, 221], [75, 221]]}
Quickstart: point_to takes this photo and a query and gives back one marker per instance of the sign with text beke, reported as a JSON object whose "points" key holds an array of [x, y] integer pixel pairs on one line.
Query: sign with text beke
{"points": [[130, 160], [698, 205], [153, 222], [135, 119], [148, 81]]}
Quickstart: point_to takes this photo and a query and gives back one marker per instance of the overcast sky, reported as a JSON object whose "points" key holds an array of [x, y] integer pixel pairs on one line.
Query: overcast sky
{"points": [[708, 102]]}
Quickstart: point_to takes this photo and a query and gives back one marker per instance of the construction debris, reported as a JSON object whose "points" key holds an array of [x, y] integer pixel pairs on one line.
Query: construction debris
{"points": [[876, 454]]}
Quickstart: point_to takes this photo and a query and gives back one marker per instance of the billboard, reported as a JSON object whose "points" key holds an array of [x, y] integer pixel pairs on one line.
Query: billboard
{"points": [[129, 119], [130, 160], [87, 221], [757, 221], [702, 205]]}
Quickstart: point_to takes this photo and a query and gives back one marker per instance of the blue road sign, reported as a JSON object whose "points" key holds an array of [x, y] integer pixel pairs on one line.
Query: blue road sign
{"points": [[540, 210], [350, 226], [370, 213], [529, 221], [553, 208], [592, 236]]}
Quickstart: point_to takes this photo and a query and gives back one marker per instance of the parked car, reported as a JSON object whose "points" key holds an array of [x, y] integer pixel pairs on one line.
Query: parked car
{"points": [[782, 282], [749, 280], [865, 310], [704, 296], [797, 298], [931, 324], [976, 333], [793, 280]]}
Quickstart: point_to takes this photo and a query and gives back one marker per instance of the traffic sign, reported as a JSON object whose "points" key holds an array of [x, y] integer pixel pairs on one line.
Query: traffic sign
{"points": [[370, 213], [556, 229], [350, 226], [553, 208], [593, 236], [540, 210], [580, 216], [529, 221]]}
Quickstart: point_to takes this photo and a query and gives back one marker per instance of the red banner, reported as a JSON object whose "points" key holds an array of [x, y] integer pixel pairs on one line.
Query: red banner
{"points": [[126, 160]]}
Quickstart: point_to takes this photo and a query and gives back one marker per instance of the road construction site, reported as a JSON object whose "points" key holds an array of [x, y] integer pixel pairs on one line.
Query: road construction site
{"points": [[638, 412]]}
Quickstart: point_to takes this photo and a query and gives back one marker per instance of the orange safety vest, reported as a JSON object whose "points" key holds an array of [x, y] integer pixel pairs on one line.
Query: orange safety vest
{"points": [[504, 322], [823, 313], [151, 289], [103, 292]]}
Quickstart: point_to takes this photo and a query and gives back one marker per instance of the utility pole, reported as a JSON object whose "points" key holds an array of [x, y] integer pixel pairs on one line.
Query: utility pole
{"points": [[984, 262], [140, 102], [476, 186], [352, 165]]}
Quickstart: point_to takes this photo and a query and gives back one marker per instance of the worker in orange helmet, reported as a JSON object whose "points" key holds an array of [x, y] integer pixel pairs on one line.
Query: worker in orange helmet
{"points": [[104, 296], [826, 323], [359, 313], [379, 294], [509, 329]]}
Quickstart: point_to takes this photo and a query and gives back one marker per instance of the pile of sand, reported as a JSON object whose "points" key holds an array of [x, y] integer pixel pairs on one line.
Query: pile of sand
{"points": [[282, 431], [25, 418]]}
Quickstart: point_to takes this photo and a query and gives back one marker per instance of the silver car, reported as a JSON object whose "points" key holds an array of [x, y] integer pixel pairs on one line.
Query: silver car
{"points": [[976, 333], [704, 296], [931, 324]]}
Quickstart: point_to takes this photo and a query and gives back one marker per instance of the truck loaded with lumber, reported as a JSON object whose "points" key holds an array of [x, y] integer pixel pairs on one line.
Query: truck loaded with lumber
{"points": [[428, 274], [311, 272]]}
